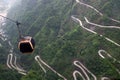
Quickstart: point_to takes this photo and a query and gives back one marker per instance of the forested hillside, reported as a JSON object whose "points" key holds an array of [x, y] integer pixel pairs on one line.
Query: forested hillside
{"points": [[59, 30]]}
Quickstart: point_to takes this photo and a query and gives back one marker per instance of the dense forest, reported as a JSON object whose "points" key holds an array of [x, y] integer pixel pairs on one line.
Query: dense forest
{"points": [[60, 40]]}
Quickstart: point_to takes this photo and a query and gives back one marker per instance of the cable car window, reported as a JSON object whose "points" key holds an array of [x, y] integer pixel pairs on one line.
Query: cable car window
{"points": [[26, 47]]}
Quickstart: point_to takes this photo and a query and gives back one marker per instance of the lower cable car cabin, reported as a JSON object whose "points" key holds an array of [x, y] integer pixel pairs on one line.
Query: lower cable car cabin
{"points": [[26, 45]]}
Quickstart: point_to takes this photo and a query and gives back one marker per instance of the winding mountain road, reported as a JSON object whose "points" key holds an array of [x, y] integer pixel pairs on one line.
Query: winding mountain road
{"points": [[84, 70], [97, 11], [103, 54], [81, 24], [77, 20], [101, 26], [12, 64], [39, 60]]}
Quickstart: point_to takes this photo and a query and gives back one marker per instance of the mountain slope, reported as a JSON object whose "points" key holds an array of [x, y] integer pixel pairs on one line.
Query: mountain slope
{"points": [[60, 40]]}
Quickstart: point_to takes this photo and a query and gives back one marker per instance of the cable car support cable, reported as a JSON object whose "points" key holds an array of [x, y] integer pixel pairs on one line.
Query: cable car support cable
{"points": [[17, 23]]}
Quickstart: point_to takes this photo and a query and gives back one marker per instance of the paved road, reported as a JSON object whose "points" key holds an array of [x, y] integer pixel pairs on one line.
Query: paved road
{"points": [[39, 60], [77, 20], [84, 70]]}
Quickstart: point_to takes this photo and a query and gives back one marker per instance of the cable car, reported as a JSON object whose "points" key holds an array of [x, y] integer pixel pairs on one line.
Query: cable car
{"points": [[26, 44]]}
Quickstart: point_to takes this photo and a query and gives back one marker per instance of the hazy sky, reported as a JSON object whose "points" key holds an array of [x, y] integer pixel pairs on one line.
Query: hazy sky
{"points": [[5, 5]]}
